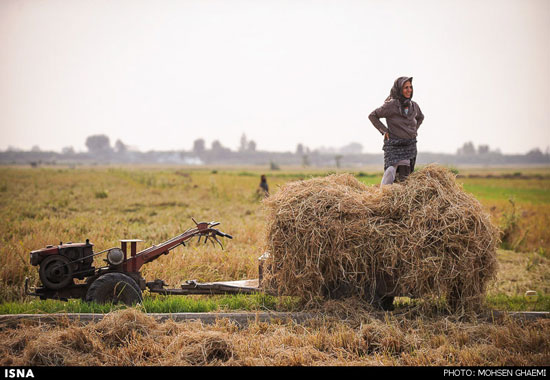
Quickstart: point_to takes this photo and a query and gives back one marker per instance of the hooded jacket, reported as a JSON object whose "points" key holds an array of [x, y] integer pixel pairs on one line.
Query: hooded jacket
{"points": [[400, 125]]}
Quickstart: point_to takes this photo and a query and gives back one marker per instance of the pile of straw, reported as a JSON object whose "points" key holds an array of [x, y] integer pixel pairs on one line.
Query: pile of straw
{"points": [[335, 237], [125, 337]]}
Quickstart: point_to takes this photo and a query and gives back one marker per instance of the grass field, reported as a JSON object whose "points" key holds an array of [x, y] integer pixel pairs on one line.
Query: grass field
{"points": [[42, 206]]}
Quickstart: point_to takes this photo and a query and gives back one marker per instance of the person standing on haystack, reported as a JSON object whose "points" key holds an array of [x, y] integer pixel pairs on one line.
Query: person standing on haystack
{"points": [[403, 118]]}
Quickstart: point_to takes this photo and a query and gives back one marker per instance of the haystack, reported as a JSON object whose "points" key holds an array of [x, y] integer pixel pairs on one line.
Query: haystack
{"points": [[335, 237]]}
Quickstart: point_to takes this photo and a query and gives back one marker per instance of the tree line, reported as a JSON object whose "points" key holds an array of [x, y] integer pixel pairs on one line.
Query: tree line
{"points": [[100, 150]]}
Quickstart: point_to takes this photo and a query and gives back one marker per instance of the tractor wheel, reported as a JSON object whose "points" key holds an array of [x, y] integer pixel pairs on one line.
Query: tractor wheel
{"points": [[386, 303], [114, 288], [384, 292], [56, 272]]}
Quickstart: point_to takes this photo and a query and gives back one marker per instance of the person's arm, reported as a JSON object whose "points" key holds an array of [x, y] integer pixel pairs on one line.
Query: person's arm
{"points": [[377, 114]]}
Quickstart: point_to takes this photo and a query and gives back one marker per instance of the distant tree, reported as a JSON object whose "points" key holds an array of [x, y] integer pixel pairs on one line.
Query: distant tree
{"points": [[120, 147], [483, 149], [305, 160], [199, 146], [35, 148], [535, 155], [251, 146], [98, 144], [67, 150], [218, 151], [467, 149], [300, 150], [243, 145], [216, 145]]}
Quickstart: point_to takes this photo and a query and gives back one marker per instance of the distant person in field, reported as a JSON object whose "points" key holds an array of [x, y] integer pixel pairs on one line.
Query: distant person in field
{"points": [[403, 118], [263, 188]]}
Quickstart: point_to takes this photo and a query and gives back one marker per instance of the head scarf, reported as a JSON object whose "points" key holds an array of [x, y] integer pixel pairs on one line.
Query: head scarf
{"points": [[396, 92]]}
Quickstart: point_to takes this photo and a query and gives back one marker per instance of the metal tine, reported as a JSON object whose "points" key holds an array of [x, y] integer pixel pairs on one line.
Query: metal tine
{"points": [[219, 242]]}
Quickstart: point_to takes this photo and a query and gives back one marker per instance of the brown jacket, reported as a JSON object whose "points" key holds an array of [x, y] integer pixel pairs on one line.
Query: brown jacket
{"points": [[399, 126]]}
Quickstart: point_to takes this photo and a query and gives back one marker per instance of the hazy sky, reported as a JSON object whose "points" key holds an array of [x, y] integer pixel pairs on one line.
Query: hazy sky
{"points": [[160, 74]]}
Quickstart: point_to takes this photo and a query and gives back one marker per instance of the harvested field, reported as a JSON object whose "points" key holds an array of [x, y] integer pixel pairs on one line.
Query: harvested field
{"points": [[130, 337], [335, 237], [41, 206]]}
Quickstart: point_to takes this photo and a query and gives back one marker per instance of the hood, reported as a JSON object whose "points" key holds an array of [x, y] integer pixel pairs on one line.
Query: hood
{"points": [[397, 90]]}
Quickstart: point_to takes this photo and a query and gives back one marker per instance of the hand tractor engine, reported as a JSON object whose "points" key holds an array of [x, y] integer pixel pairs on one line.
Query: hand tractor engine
{"points": [[62, 263]]}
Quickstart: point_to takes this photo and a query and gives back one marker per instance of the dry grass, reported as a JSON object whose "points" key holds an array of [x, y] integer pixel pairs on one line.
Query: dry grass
{"points": [[333, 237], [520, 272], [46, 206], [43, 206], [129, 337]]}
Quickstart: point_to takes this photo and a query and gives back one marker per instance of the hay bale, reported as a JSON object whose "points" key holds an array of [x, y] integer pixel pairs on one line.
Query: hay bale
{"points": [[335, 237]]}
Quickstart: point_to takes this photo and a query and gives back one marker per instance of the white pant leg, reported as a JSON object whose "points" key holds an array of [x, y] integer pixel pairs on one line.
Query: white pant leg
{"points": [[389, 176]]}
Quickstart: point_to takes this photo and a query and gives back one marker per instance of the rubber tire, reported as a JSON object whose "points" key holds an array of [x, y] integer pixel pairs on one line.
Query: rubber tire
{"points": [[67, 277], [115, 288], [386, 303]]}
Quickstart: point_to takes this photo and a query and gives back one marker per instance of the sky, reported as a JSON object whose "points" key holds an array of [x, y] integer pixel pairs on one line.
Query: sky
{"points": [[160, 74]]}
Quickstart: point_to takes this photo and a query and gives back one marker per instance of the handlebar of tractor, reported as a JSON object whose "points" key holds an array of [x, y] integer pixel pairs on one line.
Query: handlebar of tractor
{"points": [[134, 263]]}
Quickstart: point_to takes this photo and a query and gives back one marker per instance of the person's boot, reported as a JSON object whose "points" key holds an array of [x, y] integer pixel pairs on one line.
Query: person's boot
{"points": [[403, 172]]}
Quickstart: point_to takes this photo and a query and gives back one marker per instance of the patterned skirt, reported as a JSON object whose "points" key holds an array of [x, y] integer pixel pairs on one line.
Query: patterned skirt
{"points": [[396, 150]]}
